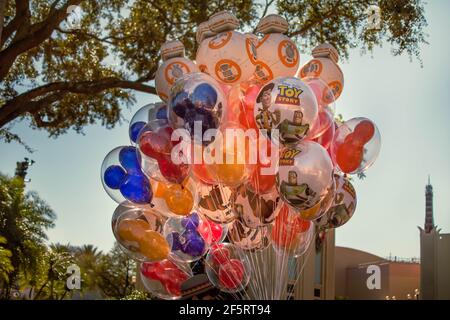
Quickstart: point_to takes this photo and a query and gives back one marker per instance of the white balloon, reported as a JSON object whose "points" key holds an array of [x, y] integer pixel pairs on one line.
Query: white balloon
{"points": [[169, 71], [278, 56], [305, 175], [229, 57]]}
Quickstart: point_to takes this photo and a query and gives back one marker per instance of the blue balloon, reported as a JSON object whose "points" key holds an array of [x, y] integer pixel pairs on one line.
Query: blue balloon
{"points": [[114, 176], [194, 244], [135, 129], [136, 188], [191, 222], [161, 114], [129, 160], [204, 96], [174, 238]]}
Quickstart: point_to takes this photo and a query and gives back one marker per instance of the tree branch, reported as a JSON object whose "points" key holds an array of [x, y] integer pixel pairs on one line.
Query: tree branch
{"points": [[38, 33], [38, 98]]}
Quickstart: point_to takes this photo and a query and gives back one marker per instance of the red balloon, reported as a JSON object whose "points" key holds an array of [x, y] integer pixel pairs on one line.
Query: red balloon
{"points": [[167, 273], [263, 183], [231, 274], [221, 256], [216, 231], [364, 131], [349, 154], [175, 173]]}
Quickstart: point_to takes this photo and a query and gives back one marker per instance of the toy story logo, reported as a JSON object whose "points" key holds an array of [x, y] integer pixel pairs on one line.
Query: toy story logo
{"points": [[288, 95], [287, 157]]}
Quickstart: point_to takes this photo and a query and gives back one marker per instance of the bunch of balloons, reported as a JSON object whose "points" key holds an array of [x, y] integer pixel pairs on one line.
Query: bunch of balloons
{"points": [[242, 155]]}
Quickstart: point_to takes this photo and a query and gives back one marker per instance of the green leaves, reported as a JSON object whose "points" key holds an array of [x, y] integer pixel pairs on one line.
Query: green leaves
{"points": [[120, 40]]}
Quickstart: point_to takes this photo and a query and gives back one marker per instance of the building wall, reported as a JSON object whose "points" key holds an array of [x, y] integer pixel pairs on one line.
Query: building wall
{"points": [[348, 257], [428, 262], [404, 279], [317, 271], [443, 267]]}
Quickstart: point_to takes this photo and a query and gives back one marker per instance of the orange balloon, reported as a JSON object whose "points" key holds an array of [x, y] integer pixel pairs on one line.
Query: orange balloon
{"points": [[179, 199], [287, 228], [349, 156], [151, 244], [364, 131]]}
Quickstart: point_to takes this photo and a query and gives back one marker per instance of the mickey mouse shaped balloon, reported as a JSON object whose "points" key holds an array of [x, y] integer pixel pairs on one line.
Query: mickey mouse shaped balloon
{"points": [[277, 54], [229, 56], [173, 67]]}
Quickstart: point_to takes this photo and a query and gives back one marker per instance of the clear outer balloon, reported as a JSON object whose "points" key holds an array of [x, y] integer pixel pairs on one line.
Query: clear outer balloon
{"points": [[356, 145], [169, 71], [123, 179], [286, 104], [343, 205], [316, 212], [153, 112], [158, 153], [248, 238], [255, 209], [291, 235], [278, 56], [175, 200], [196, 98], [228, 268], [324, 121], [217, 231], [229, 57], [139, 233], [327, 70], [323, 93], [229, 156], [326, 138], [188, 237], [215, 203], [305, 174], [164, 279]]}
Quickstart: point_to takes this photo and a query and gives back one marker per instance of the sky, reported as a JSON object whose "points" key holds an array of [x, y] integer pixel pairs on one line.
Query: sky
{"points": [[409, 104]]}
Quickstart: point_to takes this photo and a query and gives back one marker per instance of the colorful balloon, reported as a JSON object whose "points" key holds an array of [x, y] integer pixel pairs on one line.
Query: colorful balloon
{"points": [[324, 66], [343, 205], [123, 179], [255, 209], [228, 268], [164, 279], [291, 235], [215, 203], [356, 145], [277, 54], [305, 175], [288, 105], [138, 232], [196, 98], [148, 113], [229, 56], [248, 238], [186, 242], [174, 66]]}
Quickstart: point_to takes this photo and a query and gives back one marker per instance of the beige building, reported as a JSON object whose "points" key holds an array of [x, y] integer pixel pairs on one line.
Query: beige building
{"points": [[434, 255]]}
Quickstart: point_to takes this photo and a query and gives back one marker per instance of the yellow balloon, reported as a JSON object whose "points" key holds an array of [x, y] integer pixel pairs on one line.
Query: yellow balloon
{"points": [[151, 244], [179, 199]]}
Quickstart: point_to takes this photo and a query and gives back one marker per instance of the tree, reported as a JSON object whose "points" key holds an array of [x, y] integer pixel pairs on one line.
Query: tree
{"points": [[89, 259], [56, 260], [24, 219], [116, 274], [5, 262], [60, 77]]}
